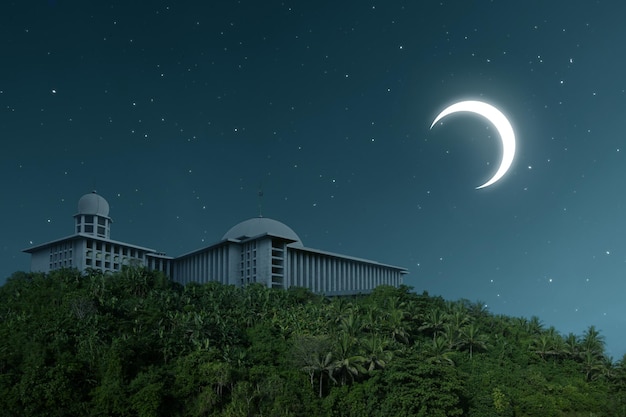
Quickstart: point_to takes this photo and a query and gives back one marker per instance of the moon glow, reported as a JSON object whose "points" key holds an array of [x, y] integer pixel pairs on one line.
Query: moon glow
{"points": [[502, 125]]}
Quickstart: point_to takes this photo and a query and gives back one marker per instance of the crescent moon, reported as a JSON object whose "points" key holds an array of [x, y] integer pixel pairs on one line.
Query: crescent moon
{"points": [[502, 125]]}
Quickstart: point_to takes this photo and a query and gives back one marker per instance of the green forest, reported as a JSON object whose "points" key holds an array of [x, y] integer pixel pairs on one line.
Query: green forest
{"points": [[134, 343]]}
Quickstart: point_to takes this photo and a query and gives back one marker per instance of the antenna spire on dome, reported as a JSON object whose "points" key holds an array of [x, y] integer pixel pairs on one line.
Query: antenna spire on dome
{"points": [[260, 194]]}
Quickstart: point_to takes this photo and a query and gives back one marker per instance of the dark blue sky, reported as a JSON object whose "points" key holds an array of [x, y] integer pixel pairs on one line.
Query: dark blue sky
{"points": [[177, 112]]}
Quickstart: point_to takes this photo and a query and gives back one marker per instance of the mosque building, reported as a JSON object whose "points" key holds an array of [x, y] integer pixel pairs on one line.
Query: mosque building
{"points": [[258, 250]]}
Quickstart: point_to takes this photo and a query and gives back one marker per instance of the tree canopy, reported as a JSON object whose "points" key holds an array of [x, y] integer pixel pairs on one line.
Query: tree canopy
{"points": [[134, 343]]}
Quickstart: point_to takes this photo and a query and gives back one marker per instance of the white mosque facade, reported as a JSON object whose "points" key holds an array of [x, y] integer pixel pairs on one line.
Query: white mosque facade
{"points": [[257, 250]]}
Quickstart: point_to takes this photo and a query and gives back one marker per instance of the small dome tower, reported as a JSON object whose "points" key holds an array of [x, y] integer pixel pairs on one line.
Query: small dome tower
{"points": [[93, 216]]}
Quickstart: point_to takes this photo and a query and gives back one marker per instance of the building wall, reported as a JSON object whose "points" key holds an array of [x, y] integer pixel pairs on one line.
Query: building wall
{"points": [[80, 247], [268, 260], [278, 267], [210, 264], [231, 263], [111, 256], [40, 261], [264, 261], [83, 253], [273, 263], [258, 250], [64, 254], [156, 262], [248, 268], [335, 275], [233, 253]]}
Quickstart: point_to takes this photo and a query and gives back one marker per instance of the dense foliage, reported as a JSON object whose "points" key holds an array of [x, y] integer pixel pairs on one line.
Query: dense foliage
{"points": [[135, 344]]}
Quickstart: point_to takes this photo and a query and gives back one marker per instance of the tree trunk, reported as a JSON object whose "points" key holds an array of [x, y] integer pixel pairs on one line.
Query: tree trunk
{"points": [[321, 376]]}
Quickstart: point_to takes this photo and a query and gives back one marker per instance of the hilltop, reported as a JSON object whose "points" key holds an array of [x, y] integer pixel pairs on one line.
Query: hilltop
{"points": [[134, 343]]}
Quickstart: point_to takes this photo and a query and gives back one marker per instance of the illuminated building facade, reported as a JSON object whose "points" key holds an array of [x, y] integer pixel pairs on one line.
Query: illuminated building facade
{"points": [[258, 250]]}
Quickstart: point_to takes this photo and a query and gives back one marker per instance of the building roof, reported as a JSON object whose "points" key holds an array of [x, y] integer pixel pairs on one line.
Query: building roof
{"points": [[352, 258], [93, 203], [92, 237], [258, 226]]}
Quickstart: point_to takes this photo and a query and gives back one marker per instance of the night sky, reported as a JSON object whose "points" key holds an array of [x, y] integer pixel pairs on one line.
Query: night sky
{"points": [[179, 112]]}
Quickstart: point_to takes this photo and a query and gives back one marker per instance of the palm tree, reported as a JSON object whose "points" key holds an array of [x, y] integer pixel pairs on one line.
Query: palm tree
{"points": [[472, 339], [438, 352], [450, 334], [314, 356], [534, 326], [592, 342], [592, 365], [458, 318], [572, 345], [433, 322], [560, 348], [550, 343], [324, 364], [542, 345], [339, 308], [521, 322], [620, 374], [394, 303], [376, 355], [220, 374], [350, 324], [478, 310], [347, 364], [395, 321], [371, 319], [609, 369]]}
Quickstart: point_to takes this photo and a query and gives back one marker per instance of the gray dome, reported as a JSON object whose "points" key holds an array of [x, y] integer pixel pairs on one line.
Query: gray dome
{"points": [[260, 226], [92, 203]]}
